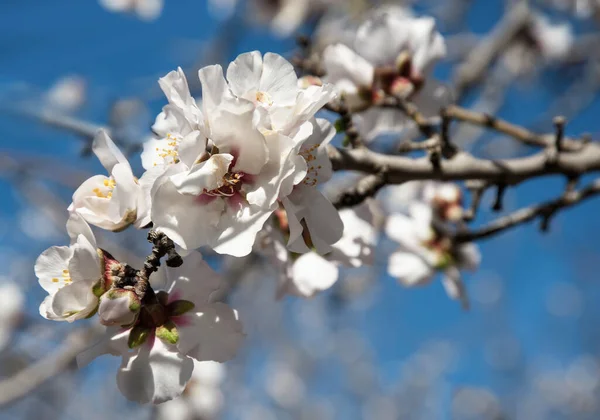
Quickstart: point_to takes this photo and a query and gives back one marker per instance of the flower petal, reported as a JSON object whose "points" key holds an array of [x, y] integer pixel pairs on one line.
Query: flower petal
{"points": [[409, 269], [155, 373]]}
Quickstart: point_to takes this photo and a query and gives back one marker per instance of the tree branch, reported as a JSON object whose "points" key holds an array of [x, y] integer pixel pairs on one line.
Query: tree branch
{"points": [[464, 166], [544, 211]]}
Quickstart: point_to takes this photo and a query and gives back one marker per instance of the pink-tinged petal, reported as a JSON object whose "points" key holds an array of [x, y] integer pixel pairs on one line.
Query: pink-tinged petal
{"points": [[107, 151], [409, 269], [51, 265], [193, 281], [203, 176], [239, 226], [312, 274], [155, 373], [188, 221], [215, 333]]}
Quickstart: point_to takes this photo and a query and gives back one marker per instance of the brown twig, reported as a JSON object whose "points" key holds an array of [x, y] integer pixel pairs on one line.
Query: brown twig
{"points": [[544, 211]]}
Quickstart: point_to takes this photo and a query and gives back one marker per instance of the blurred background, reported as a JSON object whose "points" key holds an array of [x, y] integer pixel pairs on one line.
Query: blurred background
{"points": [[528, 349]]}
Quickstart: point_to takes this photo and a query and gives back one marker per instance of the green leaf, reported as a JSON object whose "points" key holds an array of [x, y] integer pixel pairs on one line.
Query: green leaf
{"points": [[168, 332], [340, 126], [138, 336], [179, 307]]}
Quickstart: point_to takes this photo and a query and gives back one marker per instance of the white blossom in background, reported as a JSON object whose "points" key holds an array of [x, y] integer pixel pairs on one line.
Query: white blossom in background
{"points": [[144, 9], [184, 323], [284, 17], [72, 275], [202, 397], [110, 202], [423, 253], [310, 273], [67, 94], [392, 54], [545, 41], [250, 132], [12, 300], [445, 198]]}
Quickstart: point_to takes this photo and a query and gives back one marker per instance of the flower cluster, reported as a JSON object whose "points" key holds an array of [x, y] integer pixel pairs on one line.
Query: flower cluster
{"points": [[389, 54], [241, 170], [424, 247]]}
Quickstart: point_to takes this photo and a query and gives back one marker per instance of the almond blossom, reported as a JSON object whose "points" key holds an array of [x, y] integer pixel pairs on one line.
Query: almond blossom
{"points": [[222, 196], [310, 273], [174, 327], [12, 301], [392, 54], [110, 202], [423, 252], [72, 275]]}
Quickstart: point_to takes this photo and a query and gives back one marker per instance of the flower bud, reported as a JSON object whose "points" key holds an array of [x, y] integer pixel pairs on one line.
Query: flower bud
{"points": [[118, 307]]}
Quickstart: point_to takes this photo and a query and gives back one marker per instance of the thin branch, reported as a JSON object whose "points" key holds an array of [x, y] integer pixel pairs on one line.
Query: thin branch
{"points": [[544, 211], [34, 375], [464, 166], [515, 131], [364, 188]]}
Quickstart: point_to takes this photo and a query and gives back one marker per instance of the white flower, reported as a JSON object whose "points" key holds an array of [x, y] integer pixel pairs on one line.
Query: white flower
{"points": [[423, 253], [68, 94], [202, 397], [109, 202], [553, 40], [223, 198], [180, 324], [392, 55], [12, 300], [312, 219], [445, 198], [144, 9], [311, 273], [270, 82], [72, 275]]}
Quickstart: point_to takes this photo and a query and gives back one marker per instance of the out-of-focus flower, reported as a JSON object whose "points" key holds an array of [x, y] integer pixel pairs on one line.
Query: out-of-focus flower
{"points": [[424, 252], [392, 55], [308, 274], [444, 198], [144, 9], [181, 324], [68, 94], [202, 397], [109, 202], [12, 300], [72, 275]]}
